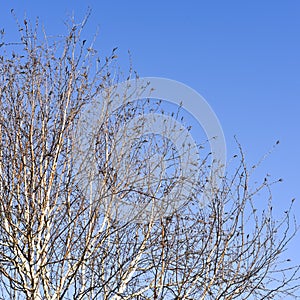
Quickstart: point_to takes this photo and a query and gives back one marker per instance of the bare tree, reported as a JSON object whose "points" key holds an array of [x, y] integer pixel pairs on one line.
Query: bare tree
{"points": [[65, 183]]}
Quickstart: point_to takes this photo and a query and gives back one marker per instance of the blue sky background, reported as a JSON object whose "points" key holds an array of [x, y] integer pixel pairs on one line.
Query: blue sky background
{"points": [[242, 56]]}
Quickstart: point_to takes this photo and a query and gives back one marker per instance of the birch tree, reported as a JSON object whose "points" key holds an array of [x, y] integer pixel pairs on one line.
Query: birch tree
{"points": [[65, 185]]}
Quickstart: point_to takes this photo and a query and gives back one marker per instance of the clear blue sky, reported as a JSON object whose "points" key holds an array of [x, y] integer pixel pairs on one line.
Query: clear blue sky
{"points": [[242, 56]]}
